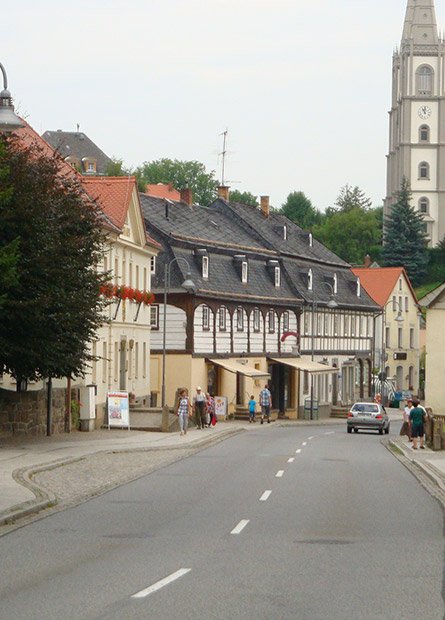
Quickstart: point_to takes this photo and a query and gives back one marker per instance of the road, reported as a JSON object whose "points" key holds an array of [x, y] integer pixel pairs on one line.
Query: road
{"points": [[277, 523]]}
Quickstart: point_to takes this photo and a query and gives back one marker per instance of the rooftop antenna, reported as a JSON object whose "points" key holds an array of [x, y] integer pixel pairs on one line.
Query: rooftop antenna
{"points": [[78, 127], [223, 155]]}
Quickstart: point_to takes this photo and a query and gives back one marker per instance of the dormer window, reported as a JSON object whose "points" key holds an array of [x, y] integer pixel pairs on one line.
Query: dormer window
{"points": [[309, 280], [277, 277], [311, 240], [359, 288], [285, 232], [335, 283], [244, 272], [205, 267]]}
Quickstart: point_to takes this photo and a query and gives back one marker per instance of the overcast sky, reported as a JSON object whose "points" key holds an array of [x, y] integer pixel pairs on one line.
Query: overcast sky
{"points": [[302, 86]]}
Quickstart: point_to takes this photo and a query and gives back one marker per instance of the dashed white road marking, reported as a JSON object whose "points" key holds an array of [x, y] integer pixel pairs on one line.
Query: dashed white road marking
{"points": [[330, 433], [280, 473], [304, 443], [239, 528], [162, 583], [291, 460], [298, 451], [311, 437], [265, 496]]}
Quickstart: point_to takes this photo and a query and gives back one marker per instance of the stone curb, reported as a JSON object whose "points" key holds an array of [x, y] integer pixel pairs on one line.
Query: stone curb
{"points": [[46, 499]]}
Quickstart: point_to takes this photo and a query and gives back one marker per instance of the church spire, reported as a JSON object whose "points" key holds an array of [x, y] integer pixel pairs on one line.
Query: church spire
{"points": [[420, 23]]}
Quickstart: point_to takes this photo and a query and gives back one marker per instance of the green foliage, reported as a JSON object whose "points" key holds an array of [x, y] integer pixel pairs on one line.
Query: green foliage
{"points": [[51, 306], [181, 174], [75, 414], [351, 198], [245, 198], [424, 289], [116, 168], [405, 240], [300, 210]]}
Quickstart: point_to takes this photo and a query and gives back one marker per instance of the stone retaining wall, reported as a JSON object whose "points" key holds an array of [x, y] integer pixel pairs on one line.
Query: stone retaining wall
{"points": [[24, 413]]}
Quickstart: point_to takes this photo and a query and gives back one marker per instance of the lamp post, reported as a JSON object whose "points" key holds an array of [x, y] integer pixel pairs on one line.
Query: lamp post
{"points": [[332, 304], [8, 118], [399, 318], [189, 286]]}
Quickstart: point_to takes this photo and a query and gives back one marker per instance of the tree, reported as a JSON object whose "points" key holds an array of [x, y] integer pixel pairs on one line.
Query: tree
{"points": [[351, 198], [8, 268], [300, 210], [116, 168], [181, 174], [405, 240], [51, 307], [245, 198], [351, 234]]}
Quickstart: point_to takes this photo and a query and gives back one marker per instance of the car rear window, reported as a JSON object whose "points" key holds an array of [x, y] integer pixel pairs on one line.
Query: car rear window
{"points": [[365, 408]]}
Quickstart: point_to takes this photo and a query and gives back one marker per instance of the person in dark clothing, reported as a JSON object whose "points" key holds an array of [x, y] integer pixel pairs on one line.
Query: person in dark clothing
{"points": [[417, 419]]}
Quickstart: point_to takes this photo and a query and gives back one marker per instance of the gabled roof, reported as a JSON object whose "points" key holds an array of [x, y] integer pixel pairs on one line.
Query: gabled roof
{"points": [[113, 195], [162, 190], [379, 283], [430, 299], [78, 145]]}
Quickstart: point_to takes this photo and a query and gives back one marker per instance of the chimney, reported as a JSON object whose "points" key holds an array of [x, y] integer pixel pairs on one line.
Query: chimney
{"points": [[186, 196], [265, 207], [368, 261], [223, 192]]}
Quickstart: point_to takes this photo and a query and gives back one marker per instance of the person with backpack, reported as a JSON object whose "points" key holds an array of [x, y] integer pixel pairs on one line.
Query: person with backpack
{"points": [[265, 403]]}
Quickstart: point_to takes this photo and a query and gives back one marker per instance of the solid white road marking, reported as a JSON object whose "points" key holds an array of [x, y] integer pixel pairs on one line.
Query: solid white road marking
{"points": [[239, 528], [265, 496], [161, 584], [304, 443], [291, 460], [298, 451], [280, 474]]}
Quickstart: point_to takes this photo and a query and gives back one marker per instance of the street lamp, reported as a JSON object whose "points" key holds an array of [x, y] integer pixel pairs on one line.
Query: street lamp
{"points": [[332, 304], [399, 318], [8, 118], [187, 285]]}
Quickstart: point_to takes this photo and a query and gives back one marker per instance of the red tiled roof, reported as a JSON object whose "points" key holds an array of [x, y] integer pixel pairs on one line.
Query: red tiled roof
{"points": [[162, 190], [379, 282], [113, 195]]}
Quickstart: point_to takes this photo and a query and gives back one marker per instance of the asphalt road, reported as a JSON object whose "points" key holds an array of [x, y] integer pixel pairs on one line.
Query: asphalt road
{"points": [[277, 523]]}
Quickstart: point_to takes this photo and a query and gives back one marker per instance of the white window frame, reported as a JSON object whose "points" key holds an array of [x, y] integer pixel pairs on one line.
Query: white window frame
{"points": [[256, 320], [222, 322], [239, 319], [271, 321], [205, 318], [205, 267], [277, 277], [154, 316], [244, 272], [310, 280]]}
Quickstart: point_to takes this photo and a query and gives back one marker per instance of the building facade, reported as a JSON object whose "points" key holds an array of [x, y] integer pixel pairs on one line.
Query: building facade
{"points": [[259, 311], [434, 303], [417, 130]]}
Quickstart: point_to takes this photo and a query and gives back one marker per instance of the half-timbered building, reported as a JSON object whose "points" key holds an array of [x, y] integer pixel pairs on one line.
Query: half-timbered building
{"points": [[261, 309]]}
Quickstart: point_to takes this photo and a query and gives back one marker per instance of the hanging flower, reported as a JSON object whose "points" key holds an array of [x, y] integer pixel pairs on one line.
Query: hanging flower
{"points": [[125, 292]]}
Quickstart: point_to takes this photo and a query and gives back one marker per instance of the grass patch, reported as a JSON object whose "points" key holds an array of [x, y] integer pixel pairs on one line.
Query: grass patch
{"points": [[426, 288], [396, 449]]}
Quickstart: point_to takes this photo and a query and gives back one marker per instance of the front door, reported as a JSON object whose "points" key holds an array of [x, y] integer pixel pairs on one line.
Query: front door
{"points": [[280, 386]]}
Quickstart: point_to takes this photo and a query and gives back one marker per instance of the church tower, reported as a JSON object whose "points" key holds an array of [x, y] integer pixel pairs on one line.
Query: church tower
{"points": [[417, 118]]}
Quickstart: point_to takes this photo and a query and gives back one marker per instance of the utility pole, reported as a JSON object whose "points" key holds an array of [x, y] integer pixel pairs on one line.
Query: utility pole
{"points": [[223, 155]]}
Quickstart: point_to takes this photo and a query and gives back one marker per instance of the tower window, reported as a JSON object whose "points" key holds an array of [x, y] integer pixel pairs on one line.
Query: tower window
{"points": [[424, 205], [424, 170], [424, 133], [424, 77]]}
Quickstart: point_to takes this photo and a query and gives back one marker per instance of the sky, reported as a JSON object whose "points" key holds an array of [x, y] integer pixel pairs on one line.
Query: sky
{"points": [[303, 87]]}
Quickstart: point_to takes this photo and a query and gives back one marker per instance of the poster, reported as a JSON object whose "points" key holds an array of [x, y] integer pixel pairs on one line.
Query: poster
{"points": [[118, 409], [221, 407]]}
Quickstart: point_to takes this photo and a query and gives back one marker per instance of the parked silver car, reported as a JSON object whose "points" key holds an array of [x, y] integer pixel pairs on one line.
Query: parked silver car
{"points": [[369, 416]]}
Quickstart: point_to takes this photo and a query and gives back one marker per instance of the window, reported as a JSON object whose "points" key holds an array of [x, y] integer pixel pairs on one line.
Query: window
{"points": [[153, 264], [116, 271], [116, 360], [326, 325], [154, 317], [424, 76], [206, 318], [306, 322], [130, 274], [411, 339], [309, 280], [359, 287], [406, 304], [311, 240], [104, 362], [400, 284], [244, 272], [136, 360], [346, 324], [394, 303], [277, 277], [144, 360], [319, 325], [353, 325], [306, 382], [411, 377], [424, 133], [400, 338], [222, 319], [256, 320], [144, 283], [335, 284], [424, 205], [271, 315], [424, 170], [205, 267], [105, 264], [336, 324], [240, 319], [286, 322], [388, 337], [137, 277]]}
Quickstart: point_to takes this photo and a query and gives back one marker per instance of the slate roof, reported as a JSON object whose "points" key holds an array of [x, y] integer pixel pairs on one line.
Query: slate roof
{"points": [[79, 145], [226, 229]]}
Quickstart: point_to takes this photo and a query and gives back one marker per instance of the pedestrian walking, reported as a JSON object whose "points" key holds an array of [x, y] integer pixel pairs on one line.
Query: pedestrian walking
{"points": [[406, 426], [184, 412], [417, 417], [199, 401], [252, 409], [265, 403], [210, 410]]}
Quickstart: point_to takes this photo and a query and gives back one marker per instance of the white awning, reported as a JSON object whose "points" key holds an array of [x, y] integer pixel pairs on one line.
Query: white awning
{"points": [[244, 369], [300, 363]]}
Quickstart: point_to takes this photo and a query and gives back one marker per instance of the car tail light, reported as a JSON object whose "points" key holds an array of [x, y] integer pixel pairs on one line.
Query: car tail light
{"points": [[379, 417]]}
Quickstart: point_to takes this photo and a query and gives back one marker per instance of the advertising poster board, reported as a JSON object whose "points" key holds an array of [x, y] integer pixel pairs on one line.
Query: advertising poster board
{"points": [[221, 407], [118, 410]]}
